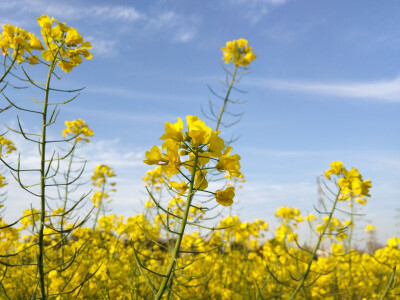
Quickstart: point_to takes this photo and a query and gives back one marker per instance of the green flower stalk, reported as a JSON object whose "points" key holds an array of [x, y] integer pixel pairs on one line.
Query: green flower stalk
{"points": [[350, 186], [64, 47]]}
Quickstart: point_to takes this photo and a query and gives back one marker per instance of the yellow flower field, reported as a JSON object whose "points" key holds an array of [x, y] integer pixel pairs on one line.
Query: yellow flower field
{"points": [[184, 244]]}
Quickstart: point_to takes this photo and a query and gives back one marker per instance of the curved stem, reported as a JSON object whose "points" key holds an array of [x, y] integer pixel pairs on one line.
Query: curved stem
{"points": [[314, 254], [9, 67], [175, 252], [100, 205], [63, 217], [43, 184], [226, 97]]}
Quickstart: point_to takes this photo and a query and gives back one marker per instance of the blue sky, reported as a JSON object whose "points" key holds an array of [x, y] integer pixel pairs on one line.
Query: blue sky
{"points": [[325, 86]]}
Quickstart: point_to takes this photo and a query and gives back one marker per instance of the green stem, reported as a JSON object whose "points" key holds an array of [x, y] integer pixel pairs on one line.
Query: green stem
{"points": [[314, 254], [43, 184], [349, 249], [63, 242], [175, 252], [103, 188], [226, 97], [9, 67], [389, 284]]}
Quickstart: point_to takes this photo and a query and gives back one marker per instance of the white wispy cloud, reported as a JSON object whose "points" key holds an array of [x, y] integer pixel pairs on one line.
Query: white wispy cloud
{"points": [[255, 10], [388, 89], [73, 12], [124, 13], [182, 28], [126, 162], [103, 47], [127, 93]]}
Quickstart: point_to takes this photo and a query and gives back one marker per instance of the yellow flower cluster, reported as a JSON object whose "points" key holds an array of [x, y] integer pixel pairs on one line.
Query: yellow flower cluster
{"points": [[19, 40], [290, 218], [200, 145], [154, 178], [370, 228], [101, 175], [2, 181], [238, 52], [350, 182], [6, 146], [79, 129], [335, 228], [64, 44]]}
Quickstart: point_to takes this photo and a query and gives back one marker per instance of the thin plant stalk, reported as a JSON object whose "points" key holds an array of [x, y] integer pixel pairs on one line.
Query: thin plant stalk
{"points": [[43, 183], [175, 252], [314, 254], [226, 97]]}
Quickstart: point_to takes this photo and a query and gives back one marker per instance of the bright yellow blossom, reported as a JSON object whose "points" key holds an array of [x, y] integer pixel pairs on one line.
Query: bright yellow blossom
{"points": [[6, 146], [239, 52], [370, 227], [229, 163], [173, 131], [2, 181], [198, 131], [79, 129], [154, 156], [64, 44], [225, 197]]}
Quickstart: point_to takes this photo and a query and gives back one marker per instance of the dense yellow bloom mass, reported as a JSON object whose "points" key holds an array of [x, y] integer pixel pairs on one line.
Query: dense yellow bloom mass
{"points": [[100, 178], [101, 174], [79, 129], [20, 41], [350, 182], [239, 52], [63, 44]]}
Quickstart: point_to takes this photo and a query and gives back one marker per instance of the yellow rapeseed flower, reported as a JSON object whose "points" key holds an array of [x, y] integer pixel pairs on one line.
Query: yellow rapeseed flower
{"points": [[225, 197], [63, 43], [6, 146], [369, 228], [79, 129], [239, 52]]}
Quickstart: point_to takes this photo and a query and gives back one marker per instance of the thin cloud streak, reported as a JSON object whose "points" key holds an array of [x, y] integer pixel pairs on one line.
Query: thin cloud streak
{"points": [[126, 93], [388, 90]]}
